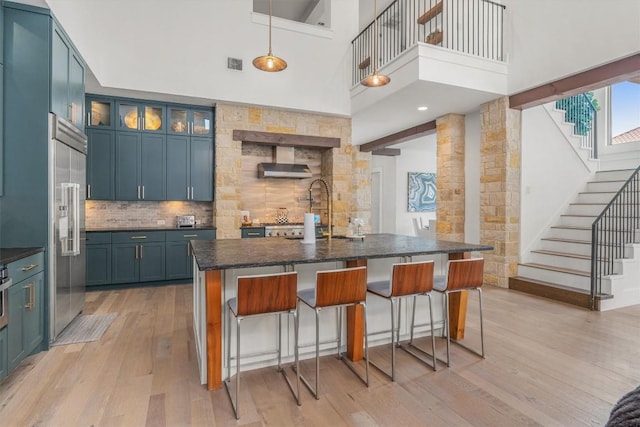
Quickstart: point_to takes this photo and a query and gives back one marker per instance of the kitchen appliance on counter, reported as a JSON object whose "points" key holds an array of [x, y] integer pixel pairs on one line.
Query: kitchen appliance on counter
{"points": [[5, 284], [67, 237], [186, 221]]}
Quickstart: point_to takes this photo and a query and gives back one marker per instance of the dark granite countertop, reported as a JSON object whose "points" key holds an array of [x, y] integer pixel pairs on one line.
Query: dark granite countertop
{"points": [[240, 253], [116, 229], [8, 255]]}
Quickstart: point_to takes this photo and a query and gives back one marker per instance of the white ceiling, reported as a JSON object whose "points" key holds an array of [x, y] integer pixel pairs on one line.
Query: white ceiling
{"points": [[294, 10]]}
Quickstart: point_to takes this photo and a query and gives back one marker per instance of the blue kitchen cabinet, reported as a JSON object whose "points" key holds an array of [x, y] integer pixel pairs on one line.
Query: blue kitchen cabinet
{"points": [[98, 258], [189, 121], [179, 256], [101, 164], [140, 166], [101, 112], [25, 331], [252, 232], [189, 168], [67, 78], [4, 367], [136, 116], [137, 256]]}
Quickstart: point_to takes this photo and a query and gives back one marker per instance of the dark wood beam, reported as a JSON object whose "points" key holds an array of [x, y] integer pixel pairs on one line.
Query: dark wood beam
{"points": [[614, 72], [286, 139], [398, 137], [386, 152]]}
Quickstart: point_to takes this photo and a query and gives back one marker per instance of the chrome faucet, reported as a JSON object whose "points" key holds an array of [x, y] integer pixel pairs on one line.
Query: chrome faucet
{"points": [[329, 202]]}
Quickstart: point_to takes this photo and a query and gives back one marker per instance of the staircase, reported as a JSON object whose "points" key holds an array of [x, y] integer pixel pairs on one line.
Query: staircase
{"points": [[560, 268]]}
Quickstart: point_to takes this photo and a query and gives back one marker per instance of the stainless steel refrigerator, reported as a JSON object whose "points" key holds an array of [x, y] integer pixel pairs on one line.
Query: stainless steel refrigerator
{"points": [[67, 237]]}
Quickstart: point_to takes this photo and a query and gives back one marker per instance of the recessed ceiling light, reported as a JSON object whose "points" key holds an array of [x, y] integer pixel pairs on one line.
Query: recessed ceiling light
{"points": [[423, 108]]}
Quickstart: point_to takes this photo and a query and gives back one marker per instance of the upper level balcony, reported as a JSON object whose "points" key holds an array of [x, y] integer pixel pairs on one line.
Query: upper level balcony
{"points": [[447, 55]]}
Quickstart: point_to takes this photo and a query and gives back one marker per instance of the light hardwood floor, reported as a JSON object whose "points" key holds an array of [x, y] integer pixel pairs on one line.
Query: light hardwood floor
{"points": [[547, 364]]}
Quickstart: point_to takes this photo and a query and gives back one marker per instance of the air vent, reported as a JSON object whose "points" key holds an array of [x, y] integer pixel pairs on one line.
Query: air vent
{"points": [[234, 64]]}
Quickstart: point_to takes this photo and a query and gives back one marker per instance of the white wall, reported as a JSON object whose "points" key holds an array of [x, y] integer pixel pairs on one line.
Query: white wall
{"points": [[387, 166], [549, 39], [552, 174], [472, 178], [418, 155], [185, 49]]}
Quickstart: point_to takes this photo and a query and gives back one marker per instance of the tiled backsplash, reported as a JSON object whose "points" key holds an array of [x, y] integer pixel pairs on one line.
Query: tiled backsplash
{"points": [[101, 214], [262, 197]]}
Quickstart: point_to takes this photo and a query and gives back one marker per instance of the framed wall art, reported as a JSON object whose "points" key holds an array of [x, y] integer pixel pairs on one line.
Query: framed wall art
{"points": [[422, 192]]}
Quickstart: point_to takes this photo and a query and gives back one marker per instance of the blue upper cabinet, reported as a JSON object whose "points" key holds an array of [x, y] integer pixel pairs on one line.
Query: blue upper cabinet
{"points": [[101, 112], [67, 78], [183, 120], [134, 116]]}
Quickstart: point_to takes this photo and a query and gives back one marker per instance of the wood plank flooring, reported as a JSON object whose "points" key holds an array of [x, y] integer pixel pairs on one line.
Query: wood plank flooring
{"points": [[547, 364]]}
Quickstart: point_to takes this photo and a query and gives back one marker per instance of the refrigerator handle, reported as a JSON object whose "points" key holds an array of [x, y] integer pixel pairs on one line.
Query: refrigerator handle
{"points": [[70, 223]]}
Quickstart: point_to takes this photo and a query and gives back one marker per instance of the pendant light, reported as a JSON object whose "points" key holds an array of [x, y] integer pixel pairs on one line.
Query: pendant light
{"points": [[269, 62], [375, 79]]}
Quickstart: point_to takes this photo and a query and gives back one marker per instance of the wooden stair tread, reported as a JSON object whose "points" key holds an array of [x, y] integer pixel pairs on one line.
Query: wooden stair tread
{"points": [[558, 269], [557, 239], [365, 63], [564, 254], [571, 227], [557, 292]]}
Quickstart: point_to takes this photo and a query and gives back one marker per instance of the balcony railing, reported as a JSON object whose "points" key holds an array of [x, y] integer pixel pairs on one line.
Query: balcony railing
{"points": [[470, 26], [616, 226]]}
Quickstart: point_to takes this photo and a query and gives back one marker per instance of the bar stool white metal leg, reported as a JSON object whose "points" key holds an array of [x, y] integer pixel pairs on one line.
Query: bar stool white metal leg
{"points": [[257, 296], [336, 288]]}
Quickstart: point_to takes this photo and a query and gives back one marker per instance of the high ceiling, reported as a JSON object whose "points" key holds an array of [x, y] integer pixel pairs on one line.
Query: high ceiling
{"points": [[294, 10]]}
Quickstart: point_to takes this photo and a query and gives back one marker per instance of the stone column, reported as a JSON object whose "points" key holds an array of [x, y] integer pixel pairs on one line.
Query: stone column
{"points": [[450, 179], [500, 190]]}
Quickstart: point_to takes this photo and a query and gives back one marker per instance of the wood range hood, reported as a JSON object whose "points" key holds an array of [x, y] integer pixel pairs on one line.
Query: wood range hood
{"points": [[284, 145]]}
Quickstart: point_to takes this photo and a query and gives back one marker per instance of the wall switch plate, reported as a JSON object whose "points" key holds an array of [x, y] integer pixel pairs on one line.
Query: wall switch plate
{"points": [[160, 222]]}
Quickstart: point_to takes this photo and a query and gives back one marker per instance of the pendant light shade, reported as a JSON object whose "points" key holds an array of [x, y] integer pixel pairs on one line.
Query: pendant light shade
{"points": [[375, 79], [269, 62]]}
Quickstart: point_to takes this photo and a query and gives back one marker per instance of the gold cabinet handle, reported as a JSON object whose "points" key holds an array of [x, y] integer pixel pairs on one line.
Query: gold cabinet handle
{"points": [[189, 235], [28, 267], [32, 303], [138, 237]]}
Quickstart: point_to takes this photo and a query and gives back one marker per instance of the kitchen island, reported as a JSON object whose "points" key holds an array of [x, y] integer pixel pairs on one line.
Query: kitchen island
{"points": [[218, 262]]}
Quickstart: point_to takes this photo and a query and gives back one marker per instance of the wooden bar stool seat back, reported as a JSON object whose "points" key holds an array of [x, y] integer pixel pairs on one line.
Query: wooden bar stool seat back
{"points": [[408, 279], [336, 288], [462, 275], [256, 296]]}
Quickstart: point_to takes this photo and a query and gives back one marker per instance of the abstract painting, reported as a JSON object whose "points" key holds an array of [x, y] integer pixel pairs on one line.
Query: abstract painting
{"points": [[422, 192]]}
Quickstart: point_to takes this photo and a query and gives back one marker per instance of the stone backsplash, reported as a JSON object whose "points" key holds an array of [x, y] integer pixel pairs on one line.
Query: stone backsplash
{"points": [[101, 214], [262, 197]]}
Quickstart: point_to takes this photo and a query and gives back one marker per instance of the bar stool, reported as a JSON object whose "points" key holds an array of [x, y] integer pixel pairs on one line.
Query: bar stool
{"points": [[408, 279], [462, 275], [337, 288], [259, 295]]}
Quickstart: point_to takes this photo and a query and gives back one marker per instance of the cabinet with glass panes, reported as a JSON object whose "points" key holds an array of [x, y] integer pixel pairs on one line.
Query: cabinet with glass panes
{"points": [[140, 116], [100, 112], [189, 120]]}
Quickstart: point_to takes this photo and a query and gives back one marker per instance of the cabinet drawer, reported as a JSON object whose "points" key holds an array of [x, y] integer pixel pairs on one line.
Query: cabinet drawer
{"points": [[182, 235], [100, 238], [139, 237], [26, 267], [252, 232]]}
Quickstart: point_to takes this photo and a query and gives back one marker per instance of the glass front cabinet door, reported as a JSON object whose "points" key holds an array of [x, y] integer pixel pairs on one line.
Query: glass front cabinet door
{"points": [[187, 121], [101, 113], [140, 117]]}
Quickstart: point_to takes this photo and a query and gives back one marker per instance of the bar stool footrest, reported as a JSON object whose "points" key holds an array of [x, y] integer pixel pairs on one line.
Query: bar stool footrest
{"points": [[408, 348], [469, 349]]}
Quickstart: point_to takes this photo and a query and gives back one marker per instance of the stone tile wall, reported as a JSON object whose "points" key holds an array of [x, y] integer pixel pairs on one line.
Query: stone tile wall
{"points": [[500, 190], [350, 191], [450, 180], [121, 214]]}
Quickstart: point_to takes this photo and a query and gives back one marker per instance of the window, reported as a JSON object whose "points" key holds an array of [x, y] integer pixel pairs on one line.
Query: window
{"points": [[625, 112]]}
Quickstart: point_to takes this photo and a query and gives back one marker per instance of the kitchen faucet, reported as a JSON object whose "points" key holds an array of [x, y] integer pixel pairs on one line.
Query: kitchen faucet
{"points": [[329, 201]]}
